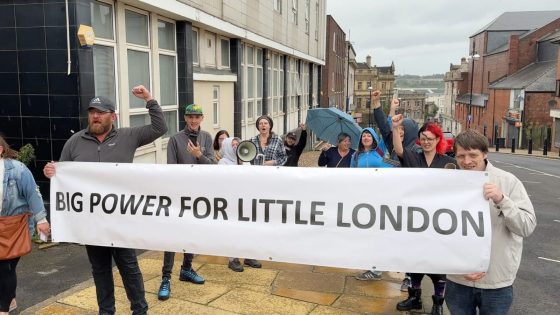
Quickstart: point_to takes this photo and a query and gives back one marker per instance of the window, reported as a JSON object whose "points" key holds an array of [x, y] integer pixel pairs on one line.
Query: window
{"points": [[104, 61], [210, 49], [359, 85], [295, 12], [216, 105], [195, 45], [334, 42], [277, 6], [259, 68], [151, 54], [277, 83], [224, 52], [102, 20], [558, 90]]}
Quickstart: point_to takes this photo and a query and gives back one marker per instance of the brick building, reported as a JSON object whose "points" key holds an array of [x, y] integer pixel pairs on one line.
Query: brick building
{"points": [[333, 83], [511, 49]]}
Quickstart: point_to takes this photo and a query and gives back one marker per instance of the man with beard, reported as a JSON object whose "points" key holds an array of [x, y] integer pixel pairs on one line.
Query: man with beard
{"points": [[103, 142]]}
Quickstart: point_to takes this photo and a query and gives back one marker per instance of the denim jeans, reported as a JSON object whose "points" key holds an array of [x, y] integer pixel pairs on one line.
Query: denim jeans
{"points": [[463, 300], [169, 260], [127, 263]]}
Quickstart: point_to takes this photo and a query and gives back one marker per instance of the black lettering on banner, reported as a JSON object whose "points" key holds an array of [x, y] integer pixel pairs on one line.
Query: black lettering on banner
{"points": [[284, 204], [69, 203], [371, 220], [164, 203], [220, 204], [478, 229], [254, 210], [437, 226], [410, 224], [298, 213], [385, 211], [94, 200], [125, 203], [315, 212], [114, 203], [339, 216], [240, 216], [148, 204], [184, 206], [196, 212], [267, 203]]}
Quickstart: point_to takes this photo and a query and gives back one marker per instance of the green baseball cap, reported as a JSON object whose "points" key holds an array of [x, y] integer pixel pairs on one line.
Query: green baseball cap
{"points": [[193, 109]]}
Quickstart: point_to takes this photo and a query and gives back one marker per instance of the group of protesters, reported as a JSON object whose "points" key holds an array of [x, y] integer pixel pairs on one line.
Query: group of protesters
{"points": [[398, 143]]}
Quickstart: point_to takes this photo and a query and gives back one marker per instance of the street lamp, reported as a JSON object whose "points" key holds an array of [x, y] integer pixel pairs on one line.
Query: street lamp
{"points": [[473, 56], [370, 88]]}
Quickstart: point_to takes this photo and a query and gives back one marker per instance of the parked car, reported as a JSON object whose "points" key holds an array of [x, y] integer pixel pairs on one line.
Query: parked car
{"points": [[450, 139]]}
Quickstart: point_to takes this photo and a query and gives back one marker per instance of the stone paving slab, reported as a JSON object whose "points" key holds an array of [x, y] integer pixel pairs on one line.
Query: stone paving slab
{"points": [[251, 276], [307, 296], [309, 281], [249, 302]]}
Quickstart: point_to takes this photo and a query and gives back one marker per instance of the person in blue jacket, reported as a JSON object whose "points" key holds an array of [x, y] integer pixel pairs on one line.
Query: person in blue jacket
{"points": [[371, 151]]}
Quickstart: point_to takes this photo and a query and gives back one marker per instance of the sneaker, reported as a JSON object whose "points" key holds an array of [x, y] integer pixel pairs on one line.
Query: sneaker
{"points": [[235, 265], [13, 305], [191, 276], [369, 275], [252, 263], [164, 289], [405, 284]]}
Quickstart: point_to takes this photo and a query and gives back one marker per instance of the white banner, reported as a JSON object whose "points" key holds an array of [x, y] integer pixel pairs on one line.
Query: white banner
{"points": [[399, 219]]}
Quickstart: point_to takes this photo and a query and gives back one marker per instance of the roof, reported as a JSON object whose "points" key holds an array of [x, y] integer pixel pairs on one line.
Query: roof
{"points": [[477, 99], [363, 65], [525, 77], [550, 36], [546, 83], [518, 21], [388, 69]]}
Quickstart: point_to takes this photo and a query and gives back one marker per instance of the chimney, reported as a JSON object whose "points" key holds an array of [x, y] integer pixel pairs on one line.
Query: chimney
{"points": [[368, 60], [513, 54]]}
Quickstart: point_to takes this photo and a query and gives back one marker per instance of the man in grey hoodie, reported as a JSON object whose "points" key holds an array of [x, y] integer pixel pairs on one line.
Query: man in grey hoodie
{"points": [[101, 141]]}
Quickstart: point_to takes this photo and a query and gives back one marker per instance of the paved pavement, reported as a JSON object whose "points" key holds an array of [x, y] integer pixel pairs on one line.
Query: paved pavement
{"points": [[277, 288]]}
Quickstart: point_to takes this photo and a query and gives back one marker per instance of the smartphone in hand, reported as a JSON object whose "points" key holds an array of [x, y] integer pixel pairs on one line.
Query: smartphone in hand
{"points": [[193, 138]]}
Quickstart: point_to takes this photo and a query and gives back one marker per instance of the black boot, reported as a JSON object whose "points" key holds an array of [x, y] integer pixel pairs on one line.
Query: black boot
{"points": [[413, 302], [437, 308]]}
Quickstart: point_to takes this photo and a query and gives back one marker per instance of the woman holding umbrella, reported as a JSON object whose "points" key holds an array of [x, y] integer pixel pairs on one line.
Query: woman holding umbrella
{"points": [[338, 156]]}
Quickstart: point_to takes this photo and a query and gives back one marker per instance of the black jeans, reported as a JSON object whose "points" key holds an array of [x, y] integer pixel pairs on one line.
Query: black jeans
{"points": [[8, 282], [127, 263], [169, 260]]}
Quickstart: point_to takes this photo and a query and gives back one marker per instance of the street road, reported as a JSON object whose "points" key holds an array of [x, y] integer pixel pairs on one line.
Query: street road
{"points": [[537, 287], [43, 274]]}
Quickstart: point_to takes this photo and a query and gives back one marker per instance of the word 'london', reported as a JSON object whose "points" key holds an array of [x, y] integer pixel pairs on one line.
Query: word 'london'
{"points": [[418, 219]]}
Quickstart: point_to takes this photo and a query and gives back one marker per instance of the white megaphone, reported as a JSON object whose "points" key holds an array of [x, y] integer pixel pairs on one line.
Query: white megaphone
{"points": [[247, 151]]}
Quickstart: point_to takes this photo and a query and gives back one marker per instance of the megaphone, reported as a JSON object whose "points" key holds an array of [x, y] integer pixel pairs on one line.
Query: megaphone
{"points": [[246, 151]]}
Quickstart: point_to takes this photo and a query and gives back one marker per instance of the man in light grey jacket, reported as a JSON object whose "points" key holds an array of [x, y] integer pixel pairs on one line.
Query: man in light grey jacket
{"points": [[513, 218]]}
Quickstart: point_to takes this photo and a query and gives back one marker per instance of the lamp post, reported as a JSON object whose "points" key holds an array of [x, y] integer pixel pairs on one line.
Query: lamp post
{"points": [[473, 56], [370, 88]]}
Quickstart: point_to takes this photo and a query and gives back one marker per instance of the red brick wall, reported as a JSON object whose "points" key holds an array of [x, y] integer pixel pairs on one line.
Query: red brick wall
{"points": [[537, 109]]}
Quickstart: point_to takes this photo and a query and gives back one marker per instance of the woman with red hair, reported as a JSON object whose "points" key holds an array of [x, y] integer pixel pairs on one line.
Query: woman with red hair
{"points": [[432, 156]]}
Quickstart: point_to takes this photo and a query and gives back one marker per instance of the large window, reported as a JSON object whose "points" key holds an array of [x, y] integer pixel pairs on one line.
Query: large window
{"points": [[294, 88], [276, 83], [104, 51], [151, 56], [253, 84], [224, 52], [295, 12], [307, 14]]}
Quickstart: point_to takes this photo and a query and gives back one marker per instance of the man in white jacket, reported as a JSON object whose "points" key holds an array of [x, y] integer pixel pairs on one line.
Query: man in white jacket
{"points": [[513, 218]]}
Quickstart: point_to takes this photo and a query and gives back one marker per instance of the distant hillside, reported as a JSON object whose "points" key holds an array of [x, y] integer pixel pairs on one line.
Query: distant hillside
{"points": [[408, 81]]}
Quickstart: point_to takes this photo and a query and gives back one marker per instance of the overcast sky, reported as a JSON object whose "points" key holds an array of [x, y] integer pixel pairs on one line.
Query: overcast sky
{"points": [[420, 36]]}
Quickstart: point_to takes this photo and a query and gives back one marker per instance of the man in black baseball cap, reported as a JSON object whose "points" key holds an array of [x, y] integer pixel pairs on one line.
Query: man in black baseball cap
{"points": [[101, 103], [293, 148]]}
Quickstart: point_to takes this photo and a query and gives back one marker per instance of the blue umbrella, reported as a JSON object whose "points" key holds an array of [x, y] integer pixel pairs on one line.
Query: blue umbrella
{"points": [[327, 123]]}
